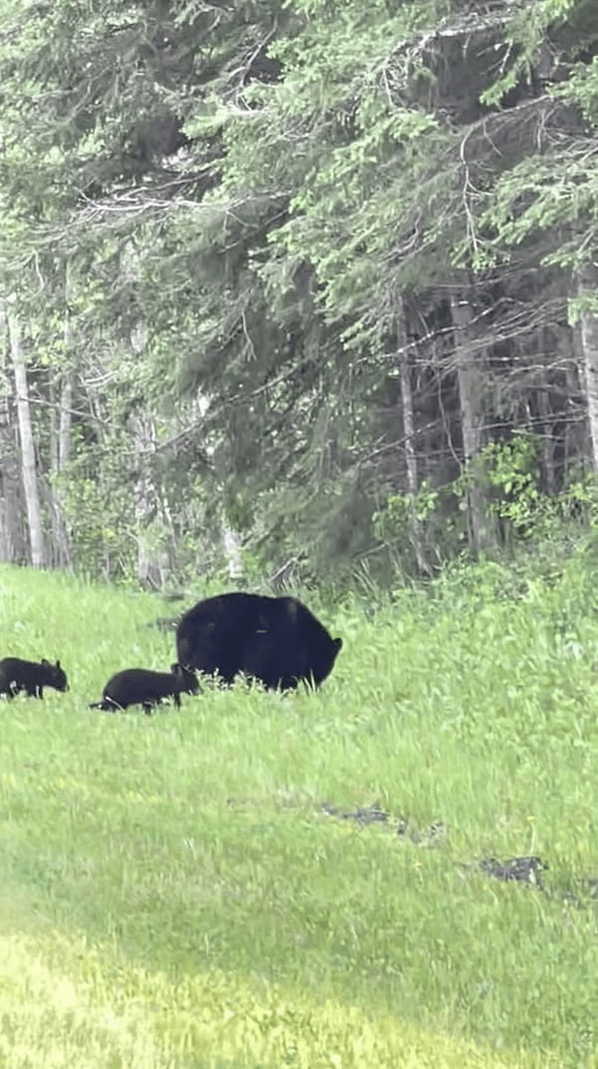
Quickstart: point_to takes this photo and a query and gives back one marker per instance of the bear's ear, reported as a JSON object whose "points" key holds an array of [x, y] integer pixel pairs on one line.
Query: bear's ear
{"points": [[58, 664], [338, 644], [44, 661]]}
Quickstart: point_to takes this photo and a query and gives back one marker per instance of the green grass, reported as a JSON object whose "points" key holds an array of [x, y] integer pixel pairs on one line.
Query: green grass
{"points": [[173, 896]]}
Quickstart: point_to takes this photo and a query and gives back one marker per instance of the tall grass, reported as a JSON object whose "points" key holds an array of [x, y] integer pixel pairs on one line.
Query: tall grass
{"points": [[174, 895]]}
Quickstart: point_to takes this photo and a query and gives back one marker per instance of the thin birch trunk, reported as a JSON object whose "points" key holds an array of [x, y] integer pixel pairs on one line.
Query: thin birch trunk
{"points": [[231, 541], [548, 438], [470, 394], [153, 565], [60, 441], [59, 453], [13, 546], [575, 439], [64, 427], [409, 432], [588, 287], [55, 542], [29, 475]]}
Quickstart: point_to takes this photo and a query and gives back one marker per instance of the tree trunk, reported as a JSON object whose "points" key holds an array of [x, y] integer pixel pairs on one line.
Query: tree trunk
{"points": [[588, 287], [231, 541], [151, 523], [54, 546], [153, 564], [29, 475], [548, 419], [60, 443], [409, 433], [11, 541], [548, 439], [575, 441], [469, 378], [64, 428], [13, 546], [61, 439]]}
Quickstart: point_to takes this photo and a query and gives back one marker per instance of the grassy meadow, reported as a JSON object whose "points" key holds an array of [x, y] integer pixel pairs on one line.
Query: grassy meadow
{"points": [[174, 895]]}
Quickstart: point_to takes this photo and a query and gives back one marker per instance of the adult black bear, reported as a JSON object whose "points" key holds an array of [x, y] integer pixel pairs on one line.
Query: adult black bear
{"points": [[31, 676], [276, 640], [141, 686]]}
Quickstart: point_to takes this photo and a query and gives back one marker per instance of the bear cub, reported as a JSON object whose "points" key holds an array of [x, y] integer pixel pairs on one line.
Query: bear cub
{"points": [[31, 676], [141, 686]]}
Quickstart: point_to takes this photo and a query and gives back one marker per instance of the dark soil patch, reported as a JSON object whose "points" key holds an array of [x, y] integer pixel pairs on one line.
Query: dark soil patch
{"points": [[431, 835], [522, 869]]}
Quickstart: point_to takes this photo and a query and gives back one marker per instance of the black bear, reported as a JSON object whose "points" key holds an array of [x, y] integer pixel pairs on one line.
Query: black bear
{"points": [[276, 640], [141, 686], [31, 676]]}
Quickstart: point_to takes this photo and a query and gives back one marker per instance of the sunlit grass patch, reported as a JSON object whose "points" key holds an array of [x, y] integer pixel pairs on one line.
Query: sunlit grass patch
{"points": [[66, 1005]]}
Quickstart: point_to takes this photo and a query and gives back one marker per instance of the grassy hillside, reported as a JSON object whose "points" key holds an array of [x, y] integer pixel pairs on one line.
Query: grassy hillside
{"points": [[175, 894]]}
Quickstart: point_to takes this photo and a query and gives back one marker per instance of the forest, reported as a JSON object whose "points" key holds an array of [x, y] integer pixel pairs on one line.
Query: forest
{"points": [[296, 288], [299, 296]]}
